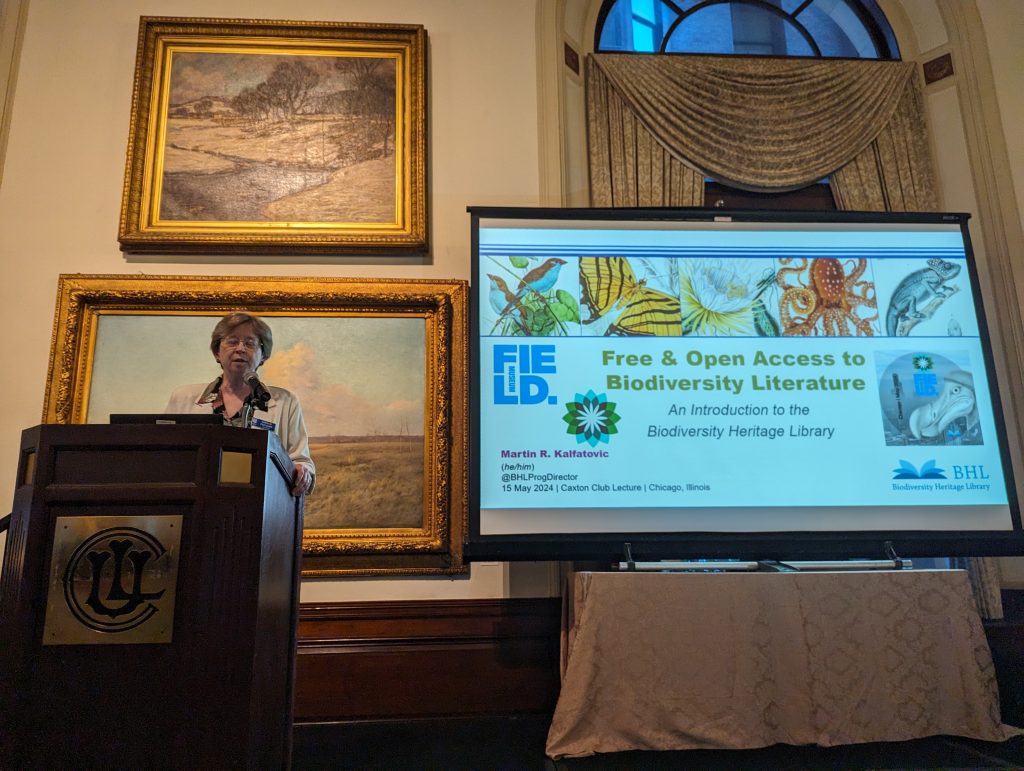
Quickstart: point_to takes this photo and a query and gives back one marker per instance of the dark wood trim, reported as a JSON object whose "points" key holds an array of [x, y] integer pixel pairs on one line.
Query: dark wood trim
{"points": [[498, 742], [814, 197], [938, 68], [1013, 604], [479, 658], [424, 659], [1006, 641]]}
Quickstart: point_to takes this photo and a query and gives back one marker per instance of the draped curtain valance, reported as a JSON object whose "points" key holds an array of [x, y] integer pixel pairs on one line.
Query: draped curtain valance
{"points": [[757, 124]]}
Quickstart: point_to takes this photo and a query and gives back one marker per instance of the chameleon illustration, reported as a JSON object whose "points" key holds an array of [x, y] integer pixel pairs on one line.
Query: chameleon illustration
{"points": [[919, 295]]}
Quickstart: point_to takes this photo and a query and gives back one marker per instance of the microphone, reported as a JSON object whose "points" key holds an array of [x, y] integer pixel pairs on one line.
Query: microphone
{"points": [[260, 393]]}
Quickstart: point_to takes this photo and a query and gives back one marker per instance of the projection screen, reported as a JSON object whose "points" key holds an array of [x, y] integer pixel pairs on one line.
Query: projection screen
{"points": [[718, 383]]}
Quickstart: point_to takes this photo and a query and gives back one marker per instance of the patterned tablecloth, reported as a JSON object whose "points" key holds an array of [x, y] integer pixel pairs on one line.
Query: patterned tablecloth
{"points": [[741, 660]]}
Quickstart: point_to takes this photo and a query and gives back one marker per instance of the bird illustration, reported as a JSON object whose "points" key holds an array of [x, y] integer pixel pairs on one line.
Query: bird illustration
{"points": [[541, 278], [538, 280], [504, 302]]}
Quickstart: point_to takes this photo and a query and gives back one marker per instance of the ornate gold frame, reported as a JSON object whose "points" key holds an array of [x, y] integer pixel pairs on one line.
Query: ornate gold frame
{"points": [[160, 38], [434, 548]]}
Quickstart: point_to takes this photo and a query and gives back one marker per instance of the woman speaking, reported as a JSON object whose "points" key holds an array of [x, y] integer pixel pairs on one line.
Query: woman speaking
{"points": [[240, 343]]}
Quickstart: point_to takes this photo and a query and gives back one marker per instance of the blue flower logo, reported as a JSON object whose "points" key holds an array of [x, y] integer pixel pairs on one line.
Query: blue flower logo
{"points": [[591, 418], [923, 362]]}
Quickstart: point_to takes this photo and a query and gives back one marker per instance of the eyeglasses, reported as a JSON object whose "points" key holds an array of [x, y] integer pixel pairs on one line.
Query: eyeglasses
{"points": [[250, 343]]}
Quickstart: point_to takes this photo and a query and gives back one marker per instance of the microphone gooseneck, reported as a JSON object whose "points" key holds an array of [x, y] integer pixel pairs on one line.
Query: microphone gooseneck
{"points": [[260, 394]]}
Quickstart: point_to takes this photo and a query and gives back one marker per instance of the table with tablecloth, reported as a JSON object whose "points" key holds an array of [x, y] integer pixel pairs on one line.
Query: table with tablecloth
{"points": [[688, 660]]}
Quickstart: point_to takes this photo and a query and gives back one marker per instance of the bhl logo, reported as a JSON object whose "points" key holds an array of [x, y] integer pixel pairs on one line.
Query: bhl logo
{"points": [[969, 472], [518, 371], [103, 583]]}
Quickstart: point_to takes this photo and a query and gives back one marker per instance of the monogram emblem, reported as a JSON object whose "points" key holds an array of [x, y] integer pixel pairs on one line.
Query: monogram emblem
{"points": [[113, 580], [113, 558]]}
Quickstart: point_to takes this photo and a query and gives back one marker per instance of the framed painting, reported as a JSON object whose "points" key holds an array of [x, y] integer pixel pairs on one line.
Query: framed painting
{"points": [[276, 136], [379, 368]]}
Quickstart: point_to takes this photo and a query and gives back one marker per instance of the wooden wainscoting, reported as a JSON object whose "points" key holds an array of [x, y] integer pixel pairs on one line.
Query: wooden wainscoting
{"points": [[1006, 640], [478, 658], [421, 659]]}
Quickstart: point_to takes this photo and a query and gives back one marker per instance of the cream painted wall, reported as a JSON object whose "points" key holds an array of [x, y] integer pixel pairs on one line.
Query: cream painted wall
{"points": [[926, 23], [1004, 33], [956, 188], [61, 191], [1003, 21]]}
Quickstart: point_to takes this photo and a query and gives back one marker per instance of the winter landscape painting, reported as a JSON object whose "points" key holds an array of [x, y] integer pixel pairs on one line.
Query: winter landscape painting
{"points": [[267, 136], [259, 138]]}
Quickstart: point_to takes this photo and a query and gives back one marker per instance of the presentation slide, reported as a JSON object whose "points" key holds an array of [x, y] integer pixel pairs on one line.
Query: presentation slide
{"points": [[732, 377]]}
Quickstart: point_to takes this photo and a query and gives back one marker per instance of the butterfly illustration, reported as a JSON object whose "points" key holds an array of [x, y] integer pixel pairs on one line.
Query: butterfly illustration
{"points": [[609, 283]]}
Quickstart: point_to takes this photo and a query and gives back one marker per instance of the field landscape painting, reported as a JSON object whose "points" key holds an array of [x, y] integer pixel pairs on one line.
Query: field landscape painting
{"points": [[276, 134], [360, 382], [379, 367]]}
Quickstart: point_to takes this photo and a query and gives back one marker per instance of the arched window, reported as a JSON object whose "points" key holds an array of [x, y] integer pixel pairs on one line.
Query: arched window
{"points": [[850, 29]]}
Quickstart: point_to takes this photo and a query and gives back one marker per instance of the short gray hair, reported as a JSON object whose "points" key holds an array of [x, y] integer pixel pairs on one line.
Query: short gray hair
{"points": [[232, 321]]}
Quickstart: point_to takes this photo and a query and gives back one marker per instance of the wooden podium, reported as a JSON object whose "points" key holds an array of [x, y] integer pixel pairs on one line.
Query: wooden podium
{"points": [[149, 598]]}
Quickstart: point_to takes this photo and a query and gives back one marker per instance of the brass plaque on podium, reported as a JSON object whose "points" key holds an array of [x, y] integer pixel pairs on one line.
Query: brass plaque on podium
{"points": [[112, 580]]}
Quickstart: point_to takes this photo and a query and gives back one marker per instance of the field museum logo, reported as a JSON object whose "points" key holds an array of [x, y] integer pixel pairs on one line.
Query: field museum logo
{"points": [[519, 372]]}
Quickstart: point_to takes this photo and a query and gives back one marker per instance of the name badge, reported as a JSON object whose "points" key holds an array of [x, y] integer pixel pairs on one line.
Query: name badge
{"points": [[264, 424]]}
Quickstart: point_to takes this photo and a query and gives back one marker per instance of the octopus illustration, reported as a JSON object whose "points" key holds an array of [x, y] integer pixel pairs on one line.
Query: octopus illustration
{"points": [[825, 298]]}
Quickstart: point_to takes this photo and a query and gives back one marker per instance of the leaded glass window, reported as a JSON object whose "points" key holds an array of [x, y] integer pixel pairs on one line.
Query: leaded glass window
{"points": [[852, 29]]}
